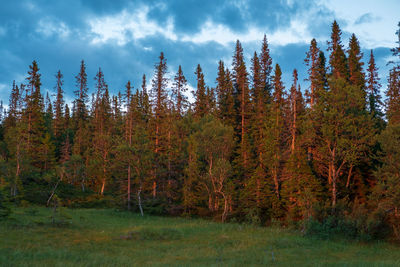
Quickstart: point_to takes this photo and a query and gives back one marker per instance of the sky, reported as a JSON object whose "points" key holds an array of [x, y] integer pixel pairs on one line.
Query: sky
{"points": [[124, 38]]}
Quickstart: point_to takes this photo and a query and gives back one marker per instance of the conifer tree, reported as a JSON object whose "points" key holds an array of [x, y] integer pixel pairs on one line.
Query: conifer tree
{"points": [[259, 119], [102, 126], [315, 61], [200, 104], [295, 100], [145, 102], [393, 91], [211, 100], [275, 140], [225, 95], [357, 76], [159, 98], [80, 112], [266, 68], [178, 92], [241, 85], [33, 117], [344, 132], [337, 59], [59, 107], [14, 106], [373, 87]]}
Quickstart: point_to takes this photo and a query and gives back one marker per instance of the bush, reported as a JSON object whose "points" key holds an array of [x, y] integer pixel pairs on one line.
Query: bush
{"points": [[348, 222], [5, 210], [92, 201], [155, 206]]}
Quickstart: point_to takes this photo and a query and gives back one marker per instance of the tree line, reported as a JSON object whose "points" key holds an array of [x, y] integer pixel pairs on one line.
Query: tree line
{"points": [[246, 149]]}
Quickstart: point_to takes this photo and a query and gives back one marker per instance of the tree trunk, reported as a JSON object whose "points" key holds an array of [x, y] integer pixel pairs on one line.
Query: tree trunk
{"points": [[139, 200], [154, 189], [53, 192], [258, 192], [349, 176], [334, 192], [276, 182], [129, 187]]}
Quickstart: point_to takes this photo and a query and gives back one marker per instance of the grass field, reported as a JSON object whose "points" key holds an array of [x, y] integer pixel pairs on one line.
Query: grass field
{"points": [[113, 238]]}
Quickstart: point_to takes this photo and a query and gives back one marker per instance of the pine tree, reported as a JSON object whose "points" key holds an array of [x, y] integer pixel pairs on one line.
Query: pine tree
{"points": [[145, 101], [344, 132], [59, 107], [357, 76], [266, 68], [80, 112], [159, 98], [275, 140], [14, 106], [315, 60], [200, 103], [295, 109], [387, 192], [260, 98], [393, 91], [225, 96], [337, 58], [373, 87], [102, 127], [241, 85], [211, 101], [33, 118], [178, 92]]}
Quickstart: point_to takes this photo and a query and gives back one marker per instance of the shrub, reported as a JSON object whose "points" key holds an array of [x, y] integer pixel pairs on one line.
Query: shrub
{"points": [[5, 210], [348, 222]]}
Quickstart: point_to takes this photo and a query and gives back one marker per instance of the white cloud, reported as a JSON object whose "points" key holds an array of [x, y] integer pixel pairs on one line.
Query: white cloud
{"points": [[296, 33], [50, 26], [127, 26]]}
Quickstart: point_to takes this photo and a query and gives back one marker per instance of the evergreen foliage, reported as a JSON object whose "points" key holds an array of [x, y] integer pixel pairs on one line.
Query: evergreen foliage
{"points": [[247, 150]]}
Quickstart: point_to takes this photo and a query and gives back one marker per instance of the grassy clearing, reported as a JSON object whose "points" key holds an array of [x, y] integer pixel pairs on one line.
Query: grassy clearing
{"points": [[114, 238]]}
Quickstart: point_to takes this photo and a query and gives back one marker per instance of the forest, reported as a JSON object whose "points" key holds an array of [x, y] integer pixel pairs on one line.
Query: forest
{"points": [[323, 159]]}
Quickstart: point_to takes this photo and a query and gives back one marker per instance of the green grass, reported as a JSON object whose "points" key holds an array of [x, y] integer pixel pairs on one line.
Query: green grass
{"points": [[93, 238]]}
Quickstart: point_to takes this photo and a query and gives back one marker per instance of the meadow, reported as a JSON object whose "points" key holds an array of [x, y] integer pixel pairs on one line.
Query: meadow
{"points": [[107, 237]]}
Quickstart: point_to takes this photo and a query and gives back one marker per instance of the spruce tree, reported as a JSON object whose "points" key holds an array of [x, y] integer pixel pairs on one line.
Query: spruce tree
{"points": [[159, 103], [266, 68], [373, 87], [275, 140], [337, 59], [178, 92], [59, 107], [315, 62], [241, 84], [225, 96], [200, 96], [393, 91], [80, 112]]}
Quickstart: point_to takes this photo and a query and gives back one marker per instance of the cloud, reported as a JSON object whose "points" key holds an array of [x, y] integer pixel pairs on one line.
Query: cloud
{"points": [[49, 27], [366, 18], [127, 26], [210, 32], [125, 37]]}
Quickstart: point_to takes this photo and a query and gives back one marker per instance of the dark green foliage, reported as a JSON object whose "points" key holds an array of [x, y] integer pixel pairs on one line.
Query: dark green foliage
{"points": [[248, 150], [5, 210], [354, 222]]}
